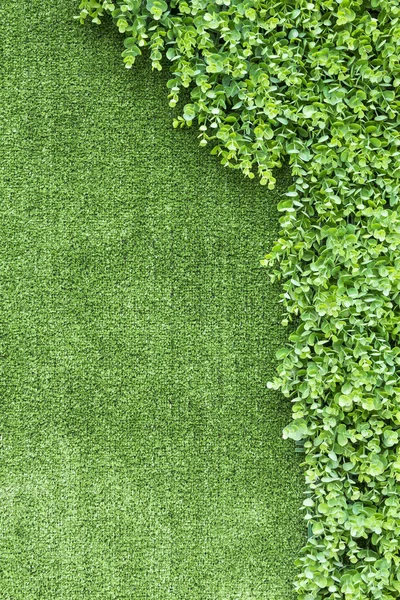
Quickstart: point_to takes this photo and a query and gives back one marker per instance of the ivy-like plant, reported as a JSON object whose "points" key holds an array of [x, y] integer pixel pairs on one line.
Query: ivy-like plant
{"points": [[317, 84]]}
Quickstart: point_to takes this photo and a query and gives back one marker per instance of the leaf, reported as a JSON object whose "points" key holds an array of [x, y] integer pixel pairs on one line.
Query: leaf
{"points": [[390, 438], [282, 353], [189, 112], [297, 430], [305, 155], [156, 5], [320, 580], [347, 388], [318, 529], [377, 465], [345, 402], [345, 15], [171, 53], [309, 111]]}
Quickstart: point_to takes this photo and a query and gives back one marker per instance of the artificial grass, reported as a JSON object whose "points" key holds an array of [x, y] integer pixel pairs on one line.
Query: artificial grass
{"points": [[141, 452]]}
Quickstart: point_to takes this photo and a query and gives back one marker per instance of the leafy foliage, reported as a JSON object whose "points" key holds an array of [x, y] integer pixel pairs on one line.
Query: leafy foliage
{"points": [[315, 83]]}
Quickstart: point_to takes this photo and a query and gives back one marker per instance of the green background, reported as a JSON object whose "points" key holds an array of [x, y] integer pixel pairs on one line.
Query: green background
{"points": [[141, 452]]}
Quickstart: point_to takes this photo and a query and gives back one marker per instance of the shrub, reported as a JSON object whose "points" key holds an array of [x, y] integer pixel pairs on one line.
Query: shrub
{"points": [[317, 84]]}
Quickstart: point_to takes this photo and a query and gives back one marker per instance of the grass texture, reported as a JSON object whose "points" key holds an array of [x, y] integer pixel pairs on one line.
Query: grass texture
{"points": [[141, 453]]}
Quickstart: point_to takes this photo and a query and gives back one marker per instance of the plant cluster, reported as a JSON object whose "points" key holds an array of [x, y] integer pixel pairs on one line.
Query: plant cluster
{"points": [[316, 84]]}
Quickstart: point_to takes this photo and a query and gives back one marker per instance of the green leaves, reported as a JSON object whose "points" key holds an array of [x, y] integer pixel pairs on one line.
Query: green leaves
{"points": [[309, 110], [345, 15], [297, 430], [215, 63], [320, 580], [317, 86], [390, 437], [376, 465], [189, 112], [156, 8]]}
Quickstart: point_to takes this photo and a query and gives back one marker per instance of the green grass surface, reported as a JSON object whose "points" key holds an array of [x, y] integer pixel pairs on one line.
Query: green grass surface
{"points": [[141, 453]]}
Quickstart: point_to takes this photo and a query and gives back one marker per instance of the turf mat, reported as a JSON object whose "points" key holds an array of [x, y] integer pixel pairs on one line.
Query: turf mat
{"points": [[141, 453]]}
